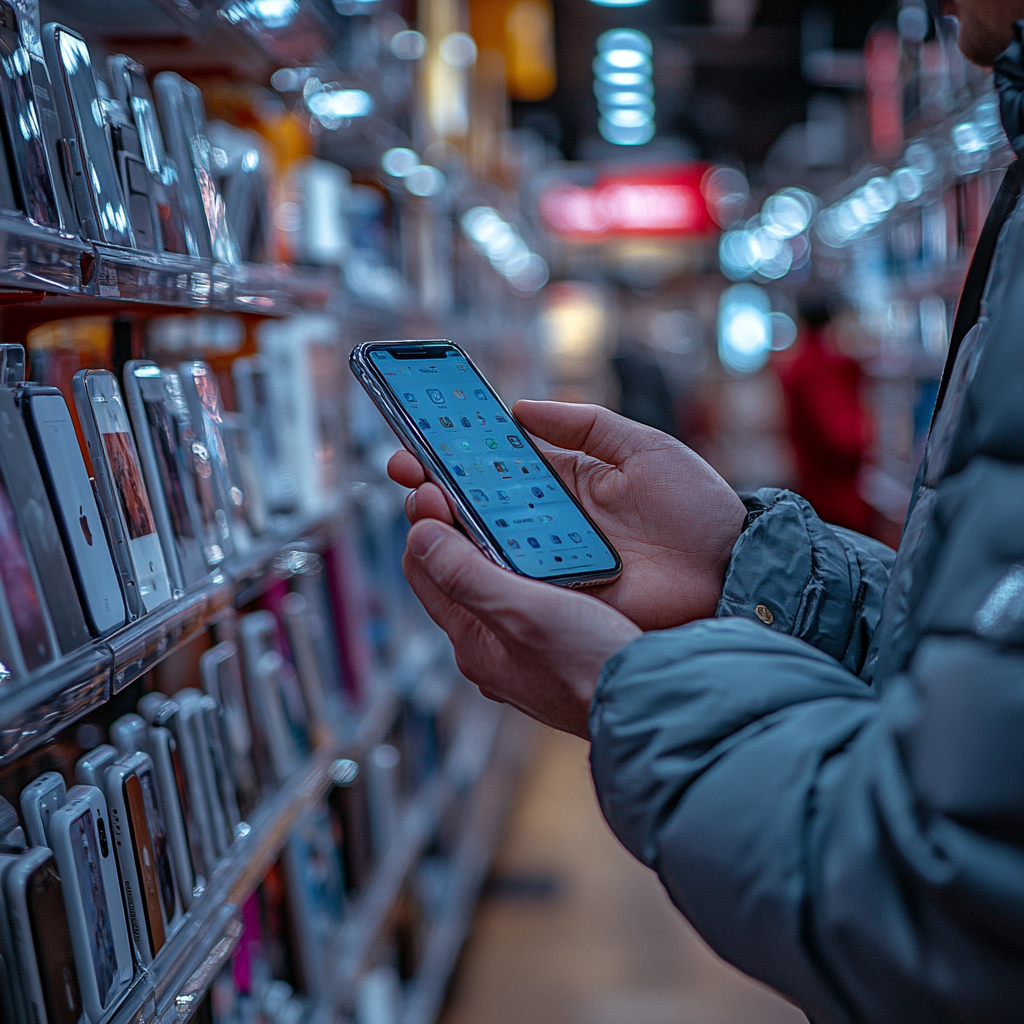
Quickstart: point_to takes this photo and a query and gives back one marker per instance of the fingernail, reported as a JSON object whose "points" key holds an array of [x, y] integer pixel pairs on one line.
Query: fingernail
{"points": [[412, 503], [424, 536]]}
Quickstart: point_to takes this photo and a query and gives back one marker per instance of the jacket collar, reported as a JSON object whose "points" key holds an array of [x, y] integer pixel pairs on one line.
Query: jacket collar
{"points": [[1009, 81]]}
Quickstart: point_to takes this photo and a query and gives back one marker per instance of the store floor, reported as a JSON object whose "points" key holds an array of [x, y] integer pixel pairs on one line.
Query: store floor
{"points": [[574, 931]]}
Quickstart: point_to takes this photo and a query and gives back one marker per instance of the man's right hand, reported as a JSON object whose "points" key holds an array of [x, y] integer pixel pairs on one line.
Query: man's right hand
{"points": [[670, 516]]}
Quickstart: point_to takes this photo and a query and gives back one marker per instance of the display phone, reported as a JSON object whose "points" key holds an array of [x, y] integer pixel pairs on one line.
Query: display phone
{"points": [[73, 502], [202, 396], [241, 178], [221, 675], [301, 622], [95, 185], [242, 472], [502, 490], [129, 734], [82, 844], [128, 85], [22, 127], [175, 797], [43, 957], [91, 767], [136, 857], [40, 800], [123, 498], [249, 375], [12, 365], [189, 726], [349, 804], [164, 449], [31, 507], [180, 106]]}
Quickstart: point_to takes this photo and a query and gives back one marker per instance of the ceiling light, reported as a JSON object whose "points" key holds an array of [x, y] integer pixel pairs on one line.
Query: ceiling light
{"points": [[339, 104], [425, 181], [400, 162]]}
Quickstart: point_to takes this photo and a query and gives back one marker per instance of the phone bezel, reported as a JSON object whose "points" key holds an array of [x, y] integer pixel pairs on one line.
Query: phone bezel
{"points": [[412, 437]]}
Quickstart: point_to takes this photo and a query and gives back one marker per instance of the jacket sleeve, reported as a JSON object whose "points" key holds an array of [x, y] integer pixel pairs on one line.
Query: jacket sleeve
{"points": [[821, 583], [860, 855]]}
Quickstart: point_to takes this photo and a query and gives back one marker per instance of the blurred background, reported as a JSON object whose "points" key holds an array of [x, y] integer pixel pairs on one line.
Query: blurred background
{"points": [[743, 222]]}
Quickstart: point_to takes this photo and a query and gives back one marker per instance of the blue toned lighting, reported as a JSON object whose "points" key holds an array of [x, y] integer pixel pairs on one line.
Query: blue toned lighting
{"points": [[623, 87]]}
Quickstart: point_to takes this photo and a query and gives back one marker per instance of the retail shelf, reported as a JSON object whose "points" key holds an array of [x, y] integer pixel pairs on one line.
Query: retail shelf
{"points": [[364, 929], [34, 709], [39, 260], [487, 811]]}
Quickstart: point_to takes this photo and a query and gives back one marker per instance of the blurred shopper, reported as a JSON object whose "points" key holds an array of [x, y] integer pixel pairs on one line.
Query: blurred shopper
{"points": [[829, 428], [644, 394], [828, 777]]}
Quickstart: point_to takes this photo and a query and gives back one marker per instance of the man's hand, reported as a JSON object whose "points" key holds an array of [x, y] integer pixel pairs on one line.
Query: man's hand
{"points": [[537, 647], [670, 516]]}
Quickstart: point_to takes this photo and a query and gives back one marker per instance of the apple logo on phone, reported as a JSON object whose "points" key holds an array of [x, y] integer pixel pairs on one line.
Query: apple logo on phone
{"points": [[84, 523]]}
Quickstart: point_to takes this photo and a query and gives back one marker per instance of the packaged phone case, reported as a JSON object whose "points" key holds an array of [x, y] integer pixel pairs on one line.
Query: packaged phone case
{"points": [[183, 119], [243, 183]]}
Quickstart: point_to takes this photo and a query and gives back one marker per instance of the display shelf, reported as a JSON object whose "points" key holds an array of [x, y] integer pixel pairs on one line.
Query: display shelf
{"points": [[35, 709], [485, 815], [39, 261]]}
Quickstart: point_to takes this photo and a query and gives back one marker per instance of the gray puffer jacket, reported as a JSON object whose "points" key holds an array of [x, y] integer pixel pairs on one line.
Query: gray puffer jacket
{"points": [[829, 778]]}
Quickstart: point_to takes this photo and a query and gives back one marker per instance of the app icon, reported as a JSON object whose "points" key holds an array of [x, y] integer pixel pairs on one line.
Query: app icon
{"points": [[479, 495], [536, 492], [464, 420], [491, 443], [498, 418], [533, 542], [424, 423], [545, 519], [459, 470], [514, 441], [500, 467], [462, 367], [481, 394], [465, 444], [445, 422], [446, 449], [411, 398], [575, 538], [501, 524], [559, 558], [525, 471], [503, 496], [481, 420], [513, 543], [435, 396], [459, 394], [555, 539]]}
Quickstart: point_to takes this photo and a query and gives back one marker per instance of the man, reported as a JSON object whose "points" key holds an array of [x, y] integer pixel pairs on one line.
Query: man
{"points": [[829, 776]]}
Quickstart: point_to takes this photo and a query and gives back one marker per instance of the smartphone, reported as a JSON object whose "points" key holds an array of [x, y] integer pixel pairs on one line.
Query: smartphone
{"points": [[31, 508], [52, 433], [129, 823], [320, 704], [243, 474], [189, 726], [91, 767], [180, 106], [12, 364], [175, 796], [129, 734], [89, 161], [221, 675], [43, 954], [162, 439], [82, 845], [123, 498], [502, 490], [40, 800]]}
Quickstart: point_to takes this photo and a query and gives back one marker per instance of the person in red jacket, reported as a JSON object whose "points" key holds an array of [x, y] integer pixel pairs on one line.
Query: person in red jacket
{"points": [[829, 428]]}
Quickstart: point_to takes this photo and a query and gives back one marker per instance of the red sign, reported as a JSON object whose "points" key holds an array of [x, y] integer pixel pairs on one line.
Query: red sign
{"points": [[661, 201]]}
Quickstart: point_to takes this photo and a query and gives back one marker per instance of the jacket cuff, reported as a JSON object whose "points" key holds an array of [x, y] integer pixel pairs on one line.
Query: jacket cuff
{"points": [[795, 574]]}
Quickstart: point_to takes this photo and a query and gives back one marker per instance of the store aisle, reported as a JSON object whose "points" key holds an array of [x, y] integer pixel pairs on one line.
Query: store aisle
{"points": [[577, 932]]}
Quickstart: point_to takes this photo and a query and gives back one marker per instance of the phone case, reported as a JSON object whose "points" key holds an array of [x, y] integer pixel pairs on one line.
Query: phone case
{"points": [[91, 768], [321, 706], [13, 994], [160, 839], [122, 494], [189, 726], [73, 503], [129, 734], [31, 176], [82, 844], [183, 119], [164, 443], [241, 178], [40, 800], [89, 161], [243, 474], [130, 87], [12, 365], [41, 939], [26, 490], [136, 859], [136, 183], [175, 799]]}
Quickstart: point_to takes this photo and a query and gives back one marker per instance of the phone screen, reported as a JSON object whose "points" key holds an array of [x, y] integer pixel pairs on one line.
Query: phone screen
{"points": [[144, 860], [530, 515], [94, 902], [51, 939], [158, 835], [18, 583]]}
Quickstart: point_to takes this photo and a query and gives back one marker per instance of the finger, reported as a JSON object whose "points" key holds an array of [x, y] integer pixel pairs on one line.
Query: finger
{"points": [[428, 502], [405, 469], [590, 429]]}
